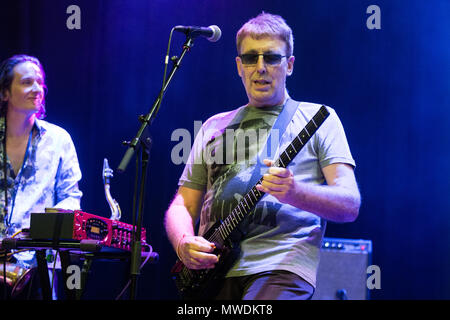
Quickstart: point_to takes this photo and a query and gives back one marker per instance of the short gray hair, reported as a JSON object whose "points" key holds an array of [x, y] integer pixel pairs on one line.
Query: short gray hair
{"points": [[267, 25]]}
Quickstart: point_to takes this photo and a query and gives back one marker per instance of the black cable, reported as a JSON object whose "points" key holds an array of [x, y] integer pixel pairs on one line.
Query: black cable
{"points": [[5, 209], [5, 177], [140, 267], [166, 62], [5, 291], [136, 178]]}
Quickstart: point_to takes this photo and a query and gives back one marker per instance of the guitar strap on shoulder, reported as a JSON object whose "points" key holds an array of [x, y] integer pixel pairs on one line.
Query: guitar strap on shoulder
{"points": [[279, 127]]}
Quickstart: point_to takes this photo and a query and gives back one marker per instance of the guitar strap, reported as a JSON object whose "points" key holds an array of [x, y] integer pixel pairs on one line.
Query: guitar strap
{"points": [[279, 127]]}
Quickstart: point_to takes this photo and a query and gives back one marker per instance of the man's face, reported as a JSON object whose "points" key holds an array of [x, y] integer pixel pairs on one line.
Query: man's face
{"points": [[264, 83], [27, 89]]}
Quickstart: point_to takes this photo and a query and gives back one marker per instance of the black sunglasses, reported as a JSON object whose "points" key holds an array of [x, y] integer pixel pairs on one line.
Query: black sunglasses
{"points": [[269, 58]]}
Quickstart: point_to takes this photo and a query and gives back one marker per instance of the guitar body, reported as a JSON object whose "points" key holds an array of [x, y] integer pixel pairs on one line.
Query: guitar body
{"points": [[205, 284]]}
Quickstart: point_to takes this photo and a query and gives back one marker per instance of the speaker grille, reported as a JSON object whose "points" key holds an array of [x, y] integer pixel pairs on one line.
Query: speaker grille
{"points": [[342, 272]]}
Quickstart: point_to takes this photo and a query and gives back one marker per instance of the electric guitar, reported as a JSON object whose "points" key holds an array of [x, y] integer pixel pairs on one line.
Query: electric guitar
{"points": [[205, 283]]}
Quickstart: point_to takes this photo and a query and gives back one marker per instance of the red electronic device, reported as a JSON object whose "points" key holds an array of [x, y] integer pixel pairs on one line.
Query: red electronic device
{"points": [[79, 225], [111, 233]]}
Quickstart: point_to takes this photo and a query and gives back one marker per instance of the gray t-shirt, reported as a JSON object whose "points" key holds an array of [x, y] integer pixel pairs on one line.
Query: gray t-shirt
{"points": [[221, 162]]}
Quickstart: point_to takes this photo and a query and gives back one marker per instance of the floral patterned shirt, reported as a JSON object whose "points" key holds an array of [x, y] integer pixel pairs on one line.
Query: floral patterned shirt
{"points": [[48, 178]]}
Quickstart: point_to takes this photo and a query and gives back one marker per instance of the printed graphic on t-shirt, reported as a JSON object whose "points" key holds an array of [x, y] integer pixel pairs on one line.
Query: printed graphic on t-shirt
{"points": [[229, 179]]}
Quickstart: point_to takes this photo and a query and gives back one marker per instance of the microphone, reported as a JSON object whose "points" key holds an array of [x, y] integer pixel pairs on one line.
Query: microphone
{"points": [[212, 33]]}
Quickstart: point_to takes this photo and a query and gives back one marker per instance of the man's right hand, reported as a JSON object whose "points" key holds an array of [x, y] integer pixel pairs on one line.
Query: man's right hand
{"points": [[195, 252]]}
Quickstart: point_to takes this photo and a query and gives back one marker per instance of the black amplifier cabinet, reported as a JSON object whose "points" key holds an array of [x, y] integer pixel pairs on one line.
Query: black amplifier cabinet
{"points": [[342, 273]]}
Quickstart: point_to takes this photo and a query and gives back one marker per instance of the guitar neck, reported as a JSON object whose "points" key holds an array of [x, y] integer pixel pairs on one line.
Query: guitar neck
{"points": [[249, 201]]}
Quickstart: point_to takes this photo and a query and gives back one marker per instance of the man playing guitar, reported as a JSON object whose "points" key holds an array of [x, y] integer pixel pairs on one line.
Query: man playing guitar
{"points": [[279, 247]]}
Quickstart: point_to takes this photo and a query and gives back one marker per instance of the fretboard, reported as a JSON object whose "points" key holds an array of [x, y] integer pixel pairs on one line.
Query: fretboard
{"points": [[249, 201]]}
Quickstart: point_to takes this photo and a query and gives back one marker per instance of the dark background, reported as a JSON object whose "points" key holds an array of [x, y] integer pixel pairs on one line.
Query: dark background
{"points": [[390, 88]]}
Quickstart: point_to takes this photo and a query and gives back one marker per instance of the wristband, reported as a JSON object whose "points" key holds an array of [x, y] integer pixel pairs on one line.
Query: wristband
{"points": [[178, 246]]}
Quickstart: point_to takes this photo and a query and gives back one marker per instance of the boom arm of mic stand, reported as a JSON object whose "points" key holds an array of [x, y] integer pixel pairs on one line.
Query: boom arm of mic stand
{"points": [[152, 114]]}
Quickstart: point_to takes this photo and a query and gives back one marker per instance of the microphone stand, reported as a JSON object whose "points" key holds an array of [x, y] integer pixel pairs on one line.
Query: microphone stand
{"points": [[145, 154]]}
